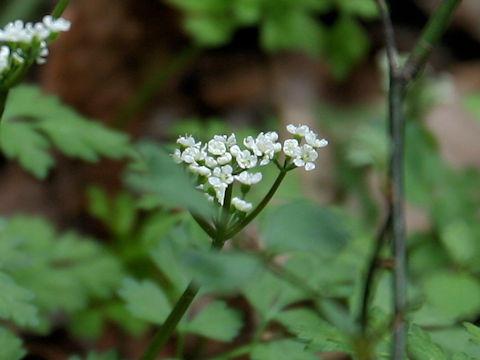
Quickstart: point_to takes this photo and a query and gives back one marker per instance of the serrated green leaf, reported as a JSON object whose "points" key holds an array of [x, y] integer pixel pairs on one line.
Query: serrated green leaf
{"points": [[11, 345], [70, 132], [16, 303], [347, 44], [215, 321], [268, 294], [282, 350], [455, 295], [307, 325], [304, 226], [145, 300], [20, 140], [421, 347]]}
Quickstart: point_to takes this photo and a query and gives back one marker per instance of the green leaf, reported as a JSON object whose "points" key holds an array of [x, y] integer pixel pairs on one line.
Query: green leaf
{"points": [[220, 271], [20, 140], [293, 29], [282, 350], [124, 214], [455, 295], [459, 241], [307, 325], [247, 12], [364, 8], [304, 226], [87, 324], [421, 347], [70, 265], [215, 321], [11, 345], [472, 103], [46, 117], [98, 203], [16, 303], [268, 294], [347, 44], [145, 300], [157, 173], [474, 331], [462, 356], [212, 30]]}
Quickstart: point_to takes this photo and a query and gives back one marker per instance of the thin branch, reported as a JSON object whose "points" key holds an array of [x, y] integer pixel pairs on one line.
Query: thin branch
{"points": [[371, 270], [429, 38], [204, 224], [390, 43], [60, 8]]}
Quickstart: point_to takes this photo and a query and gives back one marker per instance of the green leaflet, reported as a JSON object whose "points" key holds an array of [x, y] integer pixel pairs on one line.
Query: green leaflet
{"points": [[10, 345], [34, 122]]}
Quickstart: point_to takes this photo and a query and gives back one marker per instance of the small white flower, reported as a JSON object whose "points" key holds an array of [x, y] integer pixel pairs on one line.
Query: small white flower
{"points": [[266, 146], [224, 159], [191, 155], [221, 175], [247, 178], [4, 56], [220, 192], [311, 139], [200, 170], [216, 146], [188, 141], [177, 156], [231, 141], [241, 205], [300, 130], [307, 158], [56, 25], [291, 148], [246, 160], [211, 162]]}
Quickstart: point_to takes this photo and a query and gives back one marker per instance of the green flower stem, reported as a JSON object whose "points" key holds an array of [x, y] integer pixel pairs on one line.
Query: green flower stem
{"points": [[60, 8], [239, 226], [3, 102], [179, 310], [204, 224], [429, 38], [169, 326]]}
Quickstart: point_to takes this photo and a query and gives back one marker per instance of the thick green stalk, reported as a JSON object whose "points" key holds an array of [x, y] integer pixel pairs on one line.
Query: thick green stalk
{"points": [[429, 38], [3, 102], [168, 327], [60, 8]]}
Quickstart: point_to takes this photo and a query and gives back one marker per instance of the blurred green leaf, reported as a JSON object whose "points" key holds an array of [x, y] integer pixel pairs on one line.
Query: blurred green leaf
{"points": [[220, 271], [421, 347], [282, 350], [98, 203], [459, 241], [455, 295], [309, 327], [346, 45], [295, 29], [472, 104], [209, 30], [19, 140], [215, 321], [474, 331], [304, 226], [364, 8], [44, 116], [247, 12], [11, 345], [145, 300], [268, 294], [160, 175], [16, 302]]}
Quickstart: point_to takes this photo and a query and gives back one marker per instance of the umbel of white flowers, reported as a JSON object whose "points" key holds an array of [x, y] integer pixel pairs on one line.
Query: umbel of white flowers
{"points": [[20, 41], [222, 161]]}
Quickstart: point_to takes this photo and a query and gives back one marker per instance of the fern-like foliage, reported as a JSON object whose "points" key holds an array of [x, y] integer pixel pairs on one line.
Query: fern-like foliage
{"points": [[33, 123]]}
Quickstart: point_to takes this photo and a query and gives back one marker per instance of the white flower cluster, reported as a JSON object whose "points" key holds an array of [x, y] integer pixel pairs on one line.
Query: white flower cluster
{"points": [[222, 161], [18, 37]]}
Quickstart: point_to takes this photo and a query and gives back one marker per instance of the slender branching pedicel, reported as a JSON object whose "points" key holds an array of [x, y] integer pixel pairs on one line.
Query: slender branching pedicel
{"points": [[225, 170]]}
